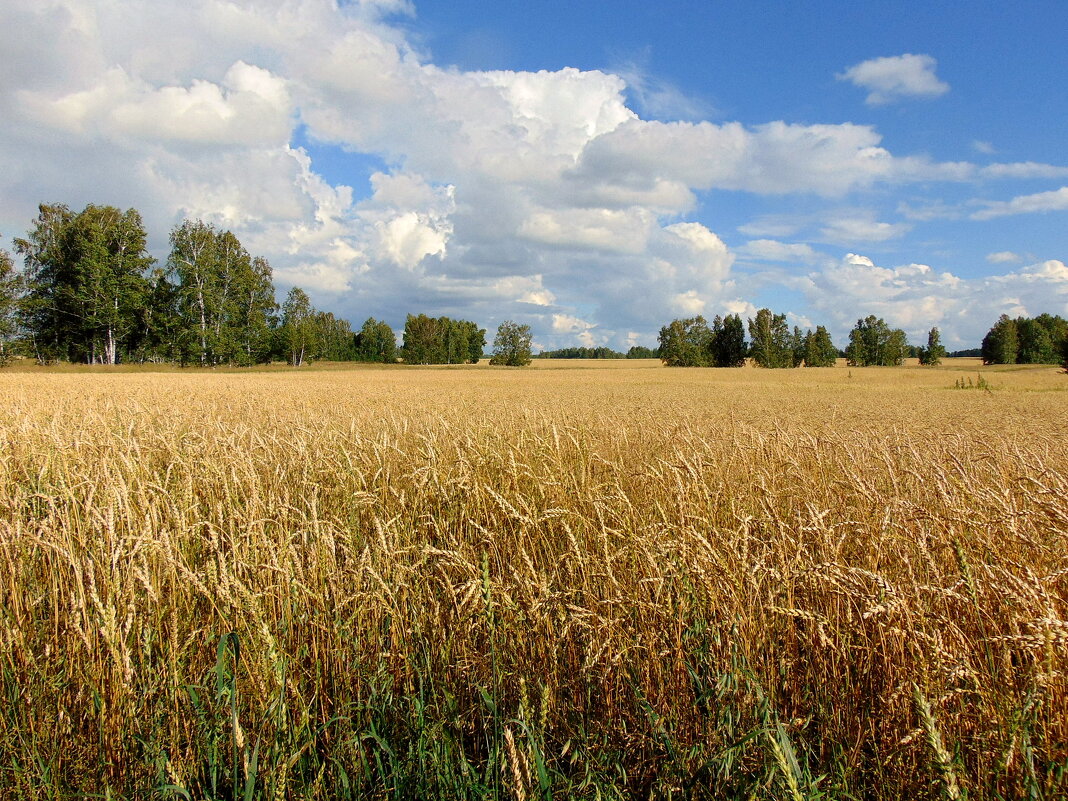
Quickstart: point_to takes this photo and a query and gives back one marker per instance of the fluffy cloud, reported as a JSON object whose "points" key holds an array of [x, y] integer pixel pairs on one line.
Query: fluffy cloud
{"points": [[1022, 169], [773, 158], [916, 297], [894, 77], [539, 196], [611, 230], [1003, 257], [853, 230], [1056, 200], [575, 328], [409, 238], [772, 250]]}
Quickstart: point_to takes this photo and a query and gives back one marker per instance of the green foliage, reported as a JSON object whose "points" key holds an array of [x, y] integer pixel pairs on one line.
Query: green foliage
{"points": [[691, 343], [256, 313], [86, 285], [585, 353], [10, 293], [422, 341], [298, 332], [512, 345], [728, 341], [642, 352], [1001, 343], [1035, 341], [441, 340], [223, 304], [772, 343], [332, 338], [475, 338], [1025, 340], [797, 347], [376, 342], [873, 343], [819, 349], [46, 273], [980, 383], [686, 343], [934, 352]]}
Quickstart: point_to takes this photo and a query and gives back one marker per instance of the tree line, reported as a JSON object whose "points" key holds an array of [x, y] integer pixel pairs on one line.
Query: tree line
{"points": [[1027, 340], [600, 352], [89, 292], [772, 343]]}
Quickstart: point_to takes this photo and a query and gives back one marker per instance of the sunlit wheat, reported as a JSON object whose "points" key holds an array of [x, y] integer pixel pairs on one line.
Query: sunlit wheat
{"points": [[610, 582]]}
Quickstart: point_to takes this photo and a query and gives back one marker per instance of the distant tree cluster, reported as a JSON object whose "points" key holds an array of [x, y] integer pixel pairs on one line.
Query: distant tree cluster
{"points": [[85, 288], [693, 343], [375, 342], [601, 352], [934, 352], [873, 343], [581, 353], [89, 292], [306, 334], [1026, 340], [773, 344], [440, 340], [819, 349]]}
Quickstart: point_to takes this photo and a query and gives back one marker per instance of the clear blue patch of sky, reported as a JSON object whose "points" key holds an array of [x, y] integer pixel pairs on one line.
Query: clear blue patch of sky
{"points": [[338, 165]]}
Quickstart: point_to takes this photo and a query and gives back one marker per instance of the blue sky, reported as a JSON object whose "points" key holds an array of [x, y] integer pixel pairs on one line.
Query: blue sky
{"points": [[594, 169]]}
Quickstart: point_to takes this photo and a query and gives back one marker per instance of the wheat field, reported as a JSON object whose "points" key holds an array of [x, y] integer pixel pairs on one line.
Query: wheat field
{"points": [[579, 580]]}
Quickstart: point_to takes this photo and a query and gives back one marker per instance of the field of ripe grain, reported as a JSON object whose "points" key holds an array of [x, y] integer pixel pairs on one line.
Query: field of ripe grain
{"points": [[577, 580]]}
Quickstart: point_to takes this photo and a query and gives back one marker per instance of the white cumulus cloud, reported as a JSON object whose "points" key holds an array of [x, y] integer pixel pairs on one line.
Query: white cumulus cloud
{"points": [[1003, 257], [854, 230], [916, 296], [894, 77], [772, 250], [1057, 200], [539, 196]]}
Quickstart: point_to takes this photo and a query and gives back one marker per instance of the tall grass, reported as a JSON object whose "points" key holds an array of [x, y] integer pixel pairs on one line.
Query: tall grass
{"points": [[540, 584]]}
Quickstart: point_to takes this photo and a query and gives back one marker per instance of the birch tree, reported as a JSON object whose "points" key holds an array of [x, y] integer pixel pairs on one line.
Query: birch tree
{"points": [[109, 290], [49, 328], [771, 342], [225, 298], [297, 325], [86, 284], [10, 291], [819, 349], [193, 265], [376, 342]]}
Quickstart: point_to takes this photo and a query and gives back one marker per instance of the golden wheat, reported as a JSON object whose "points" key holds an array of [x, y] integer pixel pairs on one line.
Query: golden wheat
{"points": [[298, 574]]}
